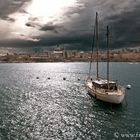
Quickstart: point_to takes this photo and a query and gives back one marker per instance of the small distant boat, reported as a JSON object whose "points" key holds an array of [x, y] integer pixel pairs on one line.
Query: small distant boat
{"points": [[104, 89]]}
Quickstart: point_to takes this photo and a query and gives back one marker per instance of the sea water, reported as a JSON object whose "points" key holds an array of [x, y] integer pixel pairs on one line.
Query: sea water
{"points": [[49, 101]]}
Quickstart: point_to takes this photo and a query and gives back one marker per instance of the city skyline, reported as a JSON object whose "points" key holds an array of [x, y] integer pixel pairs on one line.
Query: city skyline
{"points": [[59, 54]]}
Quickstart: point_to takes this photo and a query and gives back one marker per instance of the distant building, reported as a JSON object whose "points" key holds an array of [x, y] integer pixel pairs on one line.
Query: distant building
{"points": [[59, 52]]}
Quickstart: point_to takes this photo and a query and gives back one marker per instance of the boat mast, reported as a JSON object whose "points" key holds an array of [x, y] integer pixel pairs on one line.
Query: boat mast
{"points": [[93, 40], [97, 44], [107, 35]]}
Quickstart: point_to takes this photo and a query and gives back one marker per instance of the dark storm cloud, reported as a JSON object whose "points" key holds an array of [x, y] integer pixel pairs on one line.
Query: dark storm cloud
{"points": [[53, 28], [75, 31], [126, 28], [48, 28], [121, 16], [19, 43], [74, 40], [10, 6], [66, 39]]}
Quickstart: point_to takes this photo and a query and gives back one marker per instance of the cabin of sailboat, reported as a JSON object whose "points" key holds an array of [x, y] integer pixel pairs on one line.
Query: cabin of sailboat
{"points": [[103, 84]]}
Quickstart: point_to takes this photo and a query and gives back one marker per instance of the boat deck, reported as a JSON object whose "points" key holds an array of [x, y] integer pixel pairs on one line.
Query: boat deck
{"points": [[104, 91]]}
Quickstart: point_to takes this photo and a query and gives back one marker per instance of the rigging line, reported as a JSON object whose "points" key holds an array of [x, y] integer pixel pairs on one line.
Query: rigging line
{"points": [[93, 43]]}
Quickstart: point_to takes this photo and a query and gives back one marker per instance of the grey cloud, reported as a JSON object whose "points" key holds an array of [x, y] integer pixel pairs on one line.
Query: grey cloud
{"points": [[33, 22], [8, 18], [10, 6], [30, 24], [50, 27]]}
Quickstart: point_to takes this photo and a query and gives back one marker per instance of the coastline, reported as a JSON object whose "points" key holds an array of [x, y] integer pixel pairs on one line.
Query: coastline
{"points": [[124, 55], [66, 61]]}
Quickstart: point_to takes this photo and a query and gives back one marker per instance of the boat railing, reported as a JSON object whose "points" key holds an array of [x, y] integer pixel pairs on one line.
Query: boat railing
{"points": [[101, 90], [121, 88]]}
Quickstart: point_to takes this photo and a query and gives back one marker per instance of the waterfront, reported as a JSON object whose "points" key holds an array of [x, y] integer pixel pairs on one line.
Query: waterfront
{"points": [[43, 108], [61, 55]]}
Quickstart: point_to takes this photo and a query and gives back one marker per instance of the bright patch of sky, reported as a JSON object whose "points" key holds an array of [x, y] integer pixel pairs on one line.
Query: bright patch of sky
{"points": [[44, 11]]}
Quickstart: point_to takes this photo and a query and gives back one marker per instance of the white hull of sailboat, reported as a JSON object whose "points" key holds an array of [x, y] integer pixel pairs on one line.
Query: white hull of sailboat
{"points": [[115, 97]]}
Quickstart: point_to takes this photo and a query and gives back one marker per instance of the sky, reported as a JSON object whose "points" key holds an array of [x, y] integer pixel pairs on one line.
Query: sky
{"points": [[38, 24]]}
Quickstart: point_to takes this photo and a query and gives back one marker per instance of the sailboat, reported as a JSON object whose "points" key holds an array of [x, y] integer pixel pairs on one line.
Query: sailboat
{"points": [[104, 89]]}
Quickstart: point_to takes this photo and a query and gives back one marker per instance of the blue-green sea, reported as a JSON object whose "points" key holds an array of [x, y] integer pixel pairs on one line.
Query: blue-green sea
{"points": [[37, 103]]}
